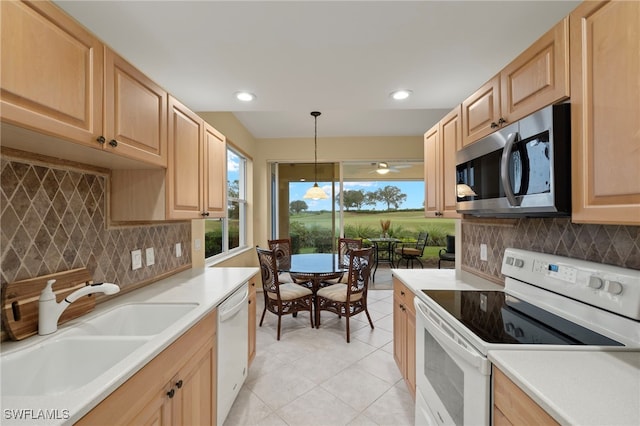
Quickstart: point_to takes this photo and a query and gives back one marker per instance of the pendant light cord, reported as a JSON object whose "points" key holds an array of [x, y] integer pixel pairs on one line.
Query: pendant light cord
{"points": [[315, 115]]}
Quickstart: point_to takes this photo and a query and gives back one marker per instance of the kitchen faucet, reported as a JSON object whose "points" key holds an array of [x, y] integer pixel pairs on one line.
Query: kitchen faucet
{"points": [[49, 310]]}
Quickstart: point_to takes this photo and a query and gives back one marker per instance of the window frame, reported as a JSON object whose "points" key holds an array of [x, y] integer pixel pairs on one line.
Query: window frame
{"points": [[241, 199]]}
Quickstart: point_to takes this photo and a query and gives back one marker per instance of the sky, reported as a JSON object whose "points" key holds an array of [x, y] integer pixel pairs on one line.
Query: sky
{"points": [[413, 189]]}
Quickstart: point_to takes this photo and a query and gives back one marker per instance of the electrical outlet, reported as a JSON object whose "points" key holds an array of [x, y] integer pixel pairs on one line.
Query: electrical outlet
{"points": [[197, 244], [483, 252], [151, 256], [136, 259], [178, 250]]}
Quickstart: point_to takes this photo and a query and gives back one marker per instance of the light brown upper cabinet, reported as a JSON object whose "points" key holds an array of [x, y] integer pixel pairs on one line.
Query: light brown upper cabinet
{"points": [[59, 80], [481, 112], [538, 77], [135, 113], [440, 145], [51, 73], [215, 172], [196, 173], [605, 102]]}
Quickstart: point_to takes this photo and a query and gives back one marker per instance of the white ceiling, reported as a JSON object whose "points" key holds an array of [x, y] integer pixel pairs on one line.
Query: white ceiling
{"points": [[342, 58]]}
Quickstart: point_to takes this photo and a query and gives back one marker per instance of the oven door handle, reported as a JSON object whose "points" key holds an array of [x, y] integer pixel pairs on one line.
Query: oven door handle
{"points": [[504, 170], [449, 338]]}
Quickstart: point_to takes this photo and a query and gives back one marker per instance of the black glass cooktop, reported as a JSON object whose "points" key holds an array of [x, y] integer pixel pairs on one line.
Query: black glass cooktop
{"points": [[497, 317]]}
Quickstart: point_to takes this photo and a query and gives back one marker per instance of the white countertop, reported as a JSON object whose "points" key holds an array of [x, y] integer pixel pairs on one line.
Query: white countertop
{"points": [[439, 279], [578, 387], [207, 287]]}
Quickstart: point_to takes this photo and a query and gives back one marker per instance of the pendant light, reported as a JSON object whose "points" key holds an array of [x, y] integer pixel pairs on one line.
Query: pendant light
{"points": [[315, 192]]}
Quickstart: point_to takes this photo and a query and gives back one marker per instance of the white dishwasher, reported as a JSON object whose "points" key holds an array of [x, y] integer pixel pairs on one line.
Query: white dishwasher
{"points": [[233, 341]]}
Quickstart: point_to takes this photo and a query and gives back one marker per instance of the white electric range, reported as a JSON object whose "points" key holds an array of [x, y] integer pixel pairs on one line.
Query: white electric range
{"points": [[548, 302]]}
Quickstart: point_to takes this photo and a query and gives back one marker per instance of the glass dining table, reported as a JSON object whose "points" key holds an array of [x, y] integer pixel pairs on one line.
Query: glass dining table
{"points": [[314, 268]]}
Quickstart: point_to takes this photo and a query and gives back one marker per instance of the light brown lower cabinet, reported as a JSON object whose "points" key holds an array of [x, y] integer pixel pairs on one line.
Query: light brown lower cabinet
{"points": [[511, 406], [177, 387], [404, 333]]}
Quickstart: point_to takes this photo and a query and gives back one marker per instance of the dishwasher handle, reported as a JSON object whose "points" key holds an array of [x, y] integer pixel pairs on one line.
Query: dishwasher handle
{"points": [[226, 313]]}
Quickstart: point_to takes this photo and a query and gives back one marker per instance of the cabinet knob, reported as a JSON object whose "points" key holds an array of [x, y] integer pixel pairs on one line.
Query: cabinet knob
{"points": [[401, 293], [494, 125], [501, 121], [171, 393], [204, 214], [113, 143], [101, 139], [179, 384]]}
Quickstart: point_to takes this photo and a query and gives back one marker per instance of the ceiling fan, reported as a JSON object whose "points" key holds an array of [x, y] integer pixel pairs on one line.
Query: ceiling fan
{"points": [[384, 167]]}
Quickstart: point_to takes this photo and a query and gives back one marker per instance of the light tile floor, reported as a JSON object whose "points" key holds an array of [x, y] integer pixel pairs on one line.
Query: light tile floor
{"points": [[314, 377]]}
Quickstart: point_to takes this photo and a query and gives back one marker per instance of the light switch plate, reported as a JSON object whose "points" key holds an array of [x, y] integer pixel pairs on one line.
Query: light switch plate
{"points": [[136, 259], [483, 252], [197, 244], [150, 255], [178, 250]]}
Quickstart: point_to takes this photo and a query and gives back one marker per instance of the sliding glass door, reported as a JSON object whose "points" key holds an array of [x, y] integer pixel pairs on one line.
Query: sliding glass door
{"points": [[369, 195]]}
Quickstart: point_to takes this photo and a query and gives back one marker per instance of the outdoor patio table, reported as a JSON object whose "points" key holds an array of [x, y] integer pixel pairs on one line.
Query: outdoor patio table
{"points": [[384, 252]]}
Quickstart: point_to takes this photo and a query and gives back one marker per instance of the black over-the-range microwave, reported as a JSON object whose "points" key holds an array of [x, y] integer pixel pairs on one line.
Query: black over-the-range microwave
{"points": [[523, 169]]}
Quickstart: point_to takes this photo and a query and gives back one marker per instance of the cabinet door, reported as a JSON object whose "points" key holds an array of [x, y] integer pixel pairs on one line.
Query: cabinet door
{"points": [[51, 72], [516, 407], [605, 102], [481, 112], [215, 172], [252, 319], [195, 389], [399, 334], [538, 77], [411, 350], [432, 172], [136, 113], [156, 413], [185, 176], [450, 142]]}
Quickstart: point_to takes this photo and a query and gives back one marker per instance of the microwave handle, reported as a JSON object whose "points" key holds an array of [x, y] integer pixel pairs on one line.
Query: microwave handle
{"points": [[447, 337], [504, 170]]}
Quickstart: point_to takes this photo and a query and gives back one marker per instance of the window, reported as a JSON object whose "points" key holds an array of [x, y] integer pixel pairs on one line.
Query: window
{"points": [[225, 235]]}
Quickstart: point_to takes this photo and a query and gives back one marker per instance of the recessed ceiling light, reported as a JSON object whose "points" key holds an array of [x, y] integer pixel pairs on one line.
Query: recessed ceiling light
{"points": [[399, 95], [245, 96]]}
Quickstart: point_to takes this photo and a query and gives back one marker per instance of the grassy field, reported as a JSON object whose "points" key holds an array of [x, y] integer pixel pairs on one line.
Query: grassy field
{"points": [[404, 225], [406, 221]]}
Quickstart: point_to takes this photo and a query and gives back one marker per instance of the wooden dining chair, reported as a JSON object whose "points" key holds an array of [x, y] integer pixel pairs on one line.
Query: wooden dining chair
{"points": [[283, 251], [350, 299], [345, 247], [281, 298]]}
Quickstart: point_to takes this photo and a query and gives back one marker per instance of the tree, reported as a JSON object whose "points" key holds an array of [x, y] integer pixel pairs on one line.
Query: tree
{"points": [[233, 191], [390, 195], [297, 206], [352, 199]]}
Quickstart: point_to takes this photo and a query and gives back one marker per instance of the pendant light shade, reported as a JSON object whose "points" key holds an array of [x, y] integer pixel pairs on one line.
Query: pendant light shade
{"points": [[315, 192]]}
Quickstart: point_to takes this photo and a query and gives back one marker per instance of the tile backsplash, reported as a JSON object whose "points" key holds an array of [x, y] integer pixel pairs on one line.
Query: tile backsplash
{"points": [[617, 245], [53, 218]]}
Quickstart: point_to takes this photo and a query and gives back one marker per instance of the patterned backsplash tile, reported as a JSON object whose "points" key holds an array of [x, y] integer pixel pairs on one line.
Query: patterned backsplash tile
{"points": [[53, 219], [617, 245]]}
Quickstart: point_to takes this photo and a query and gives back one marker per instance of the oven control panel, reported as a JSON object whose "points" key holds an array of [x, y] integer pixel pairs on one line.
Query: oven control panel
{"points": [[608, 287]]}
